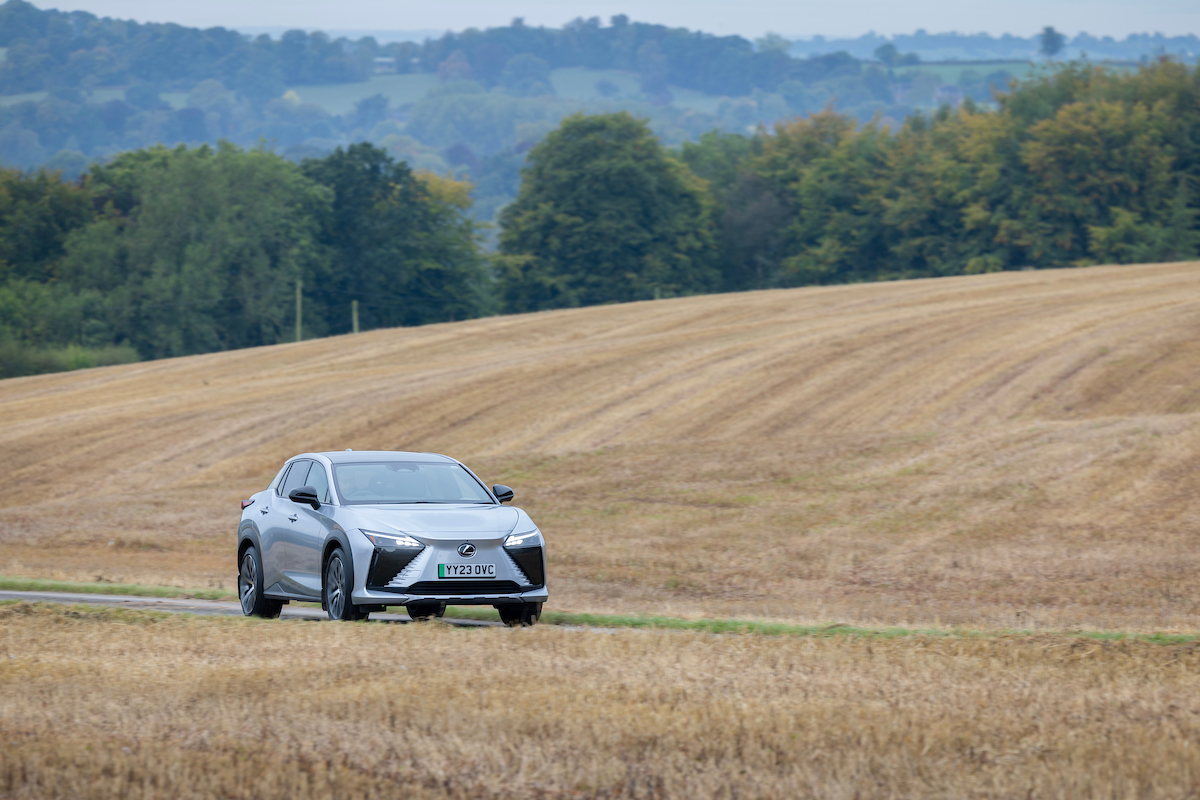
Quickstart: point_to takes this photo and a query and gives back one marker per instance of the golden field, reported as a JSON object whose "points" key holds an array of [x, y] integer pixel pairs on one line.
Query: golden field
{"points": [[999, 452], [1017, 450], [99, 704]]}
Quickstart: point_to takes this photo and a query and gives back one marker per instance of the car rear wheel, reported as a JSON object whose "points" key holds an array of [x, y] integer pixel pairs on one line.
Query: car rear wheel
{"points": [[519, 615], [250, 587], [336, 588], [425, 611]]}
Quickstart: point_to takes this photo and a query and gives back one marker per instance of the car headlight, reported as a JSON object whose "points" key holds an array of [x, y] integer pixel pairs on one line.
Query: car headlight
{"points": [[518, 539], [391, 539]]}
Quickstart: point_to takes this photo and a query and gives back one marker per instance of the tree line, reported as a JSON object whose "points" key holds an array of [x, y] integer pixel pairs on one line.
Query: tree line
{"points": [[982, 46], [50, 49], [168, 252], [172, 251], [1081, 166]]}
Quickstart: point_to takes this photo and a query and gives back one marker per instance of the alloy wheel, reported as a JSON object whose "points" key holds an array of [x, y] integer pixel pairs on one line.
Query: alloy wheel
{"points": [[248, 583], [333, 588]]}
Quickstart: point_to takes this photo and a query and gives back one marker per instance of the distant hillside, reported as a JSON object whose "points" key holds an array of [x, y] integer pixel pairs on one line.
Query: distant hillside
{"points": [[76, 89], [51, 49], [982, 47]]}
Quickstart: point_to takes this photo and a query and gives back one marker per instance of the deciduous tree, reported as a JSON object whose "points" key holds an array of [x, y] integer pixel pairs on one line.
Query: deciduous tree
{"points": [[605, 214]]}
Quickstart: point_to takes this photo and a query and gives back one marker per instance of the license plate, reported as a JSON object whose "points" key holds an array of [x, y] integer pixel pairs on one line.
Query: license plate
{"points": [[466, 570]]}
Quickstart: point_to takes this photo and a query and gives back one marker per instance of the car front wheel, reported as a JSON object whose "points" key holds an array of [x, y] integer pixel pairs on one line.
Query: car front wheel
{"points": [[337, 589], [250, 587]]}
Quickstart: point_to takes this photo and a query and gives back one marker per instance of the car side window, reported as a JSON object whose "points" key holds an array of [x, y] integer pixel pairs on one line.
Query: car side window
{"points": [[283, 473], [319, 481], [295, 477]]}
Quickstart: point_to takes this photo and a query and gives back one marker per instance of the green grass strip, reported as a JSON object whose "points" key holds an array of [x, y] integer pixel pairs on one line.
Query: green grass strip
{"points": [[133, 589], [728, 626], [734, 626]]}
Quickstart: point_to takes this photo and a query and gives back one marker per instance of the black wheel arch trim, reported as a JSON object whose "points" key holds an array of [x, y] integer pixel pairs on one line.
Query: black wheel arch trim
{"points": [[248, 535], [337, 538]]}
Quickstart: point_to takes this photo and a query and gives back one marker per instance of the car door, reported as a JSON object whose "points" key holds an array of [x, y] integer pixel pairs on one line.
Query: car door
{"points": [[272, 535], [289, 522], [312, 527]]}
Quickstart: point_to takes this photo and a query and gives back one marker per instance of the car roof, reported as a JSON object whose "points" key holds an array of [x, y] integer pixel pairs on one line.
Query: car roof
{"points": [[353, 456]]}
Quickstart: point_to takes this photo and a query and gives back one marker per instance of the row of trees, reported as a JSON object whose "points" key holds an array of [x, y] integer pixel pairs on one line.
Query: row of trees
{"points": [[169, 252], [49, 49], [1080, 167], [721, 65], [951, 46], [52, 49]]}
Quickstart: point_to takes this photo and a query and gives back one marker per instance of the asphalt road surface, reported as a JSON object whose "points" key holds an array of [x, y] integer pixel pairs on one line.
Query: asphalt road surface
{"points": [[221, 608]]}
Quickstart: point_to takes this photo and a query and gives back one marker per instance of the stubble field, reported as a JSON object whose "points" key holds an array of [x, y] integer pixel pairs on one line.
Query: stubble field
{"points": [[1001, 452], [130, 705], [997, 451]]}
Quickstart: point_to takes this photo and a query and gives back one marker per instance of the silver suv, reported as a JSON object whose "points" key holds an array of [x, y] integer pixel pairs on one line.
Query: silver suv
{"points": [[358, 531]]}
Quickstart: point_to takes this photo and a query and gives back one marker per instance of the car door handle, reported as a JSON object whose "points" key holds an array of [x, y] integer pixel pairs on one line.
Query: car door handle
{"points": [[263, 510], [292, 518]]}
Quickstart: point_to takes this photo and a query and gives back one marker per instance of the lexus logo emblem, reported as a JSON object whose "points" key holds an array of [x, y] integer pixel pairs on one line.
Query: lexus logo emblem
{"points": [[466, 550]]}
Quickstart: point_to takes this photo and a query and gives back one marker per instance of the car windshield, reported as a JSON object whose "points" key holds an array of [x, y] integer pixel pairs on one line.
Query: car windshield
{"points": [[407, 482]]}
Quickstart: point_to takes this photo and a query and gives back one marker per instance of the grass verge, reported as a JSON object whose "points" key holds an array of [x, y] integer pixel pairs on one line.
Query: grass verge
{"points": [[728, 626], [132, 589], [735, 626]]}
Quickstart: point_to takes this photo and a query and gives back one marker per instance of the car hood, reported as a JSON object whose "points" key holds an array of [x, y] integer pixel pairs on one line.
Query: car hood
{"points": [[438, 522]]}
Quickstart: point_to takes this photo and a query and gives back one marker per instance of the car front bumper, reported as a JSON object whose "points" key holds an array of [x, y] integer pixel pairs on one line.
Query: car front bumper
{"points": [[462, 598], [519, 575]]}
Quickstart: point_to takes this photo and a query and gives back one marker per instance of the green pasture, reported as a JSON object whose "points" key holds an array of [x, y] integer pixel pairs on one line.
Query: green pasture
{"points": [[174, 99], [952, 71], [13, 99], [340, 98], [579, 83]]}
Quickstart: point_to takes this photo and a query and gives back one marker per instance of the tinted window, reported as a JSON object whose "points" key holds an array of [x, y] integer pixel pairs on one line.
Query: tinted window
{"points": [[283, 473], [318, 480], [295, 477], [407, 482]]}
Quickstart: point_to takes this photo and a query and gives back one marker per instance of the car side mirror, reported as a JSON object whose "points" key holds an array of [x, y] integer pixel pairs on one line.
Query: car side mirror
{"points": [[305, 494], [503, 493]]}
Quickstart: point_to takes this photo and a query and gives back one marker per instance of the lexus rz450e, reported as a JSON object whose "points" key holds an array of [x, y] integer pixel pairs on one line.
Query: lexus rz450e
{"points": [[359, 531]]}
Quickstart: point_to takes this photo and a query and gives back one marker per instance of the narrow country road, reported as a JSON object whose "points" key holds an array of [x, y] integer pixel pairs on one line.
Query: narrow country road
{"points": [[224, 608]]}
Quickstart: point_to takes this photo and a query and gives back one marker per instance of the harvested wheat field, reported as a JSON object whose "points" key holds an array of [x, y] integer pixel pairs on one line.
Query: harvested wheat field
{"points": [[97, 704], [1017, 450]]}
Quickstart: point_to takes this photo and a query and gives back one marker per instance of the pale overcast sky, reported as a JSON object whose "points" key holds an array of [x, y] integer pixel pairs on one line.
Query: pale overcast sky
{"points": [[749, 18]]}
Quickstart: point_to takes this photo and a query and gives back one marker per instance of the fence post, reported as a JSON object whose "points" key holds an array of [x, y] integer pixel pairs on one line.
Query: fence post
{"points": [[354, 315], [299, 307]]}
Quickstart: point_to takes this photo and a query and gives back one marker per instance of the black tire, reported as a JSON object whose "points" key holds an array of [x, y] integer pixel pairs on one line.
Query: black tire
{"points": [[520, 615], [335, 589], [425, 611], [250, 587]]}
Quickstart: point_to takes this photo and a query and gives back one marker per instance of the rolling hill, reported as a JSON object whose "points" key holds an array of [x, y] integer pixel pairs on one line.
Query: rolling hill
{"points": [[999, 450]]}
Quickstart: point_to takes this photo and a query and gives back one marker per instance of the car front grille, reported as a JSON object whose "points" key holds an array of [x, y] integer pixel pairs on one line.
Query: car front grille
{"points": [[458, 588], [387, 563], [529, 560]]}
